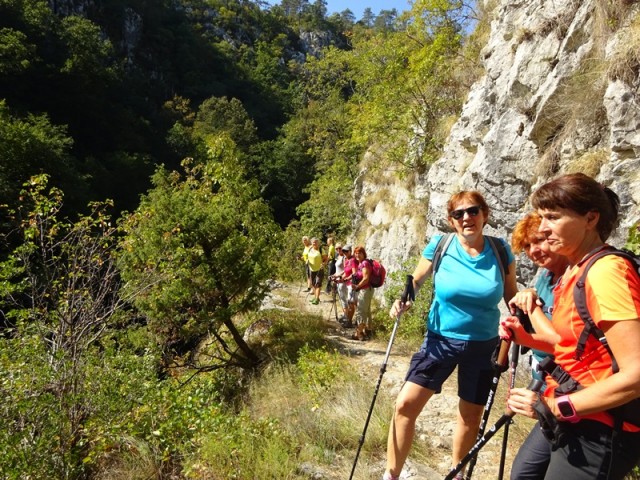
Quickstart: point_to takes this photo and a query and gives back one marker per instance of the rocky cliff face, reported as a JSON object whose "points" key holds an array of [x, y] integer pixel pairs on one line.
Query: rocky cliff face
{"points": [[560, 94]]}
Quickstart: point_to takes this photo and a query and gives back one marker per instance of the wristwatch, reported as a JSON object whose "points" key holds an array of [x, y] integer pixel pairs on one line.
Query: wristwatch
{"points": [[566, 409]]}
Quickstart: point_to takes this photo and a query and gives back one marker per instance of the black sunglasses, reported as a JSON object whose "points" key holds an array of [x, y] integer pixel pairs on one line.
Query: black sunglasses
{"points": [[471, 211]]}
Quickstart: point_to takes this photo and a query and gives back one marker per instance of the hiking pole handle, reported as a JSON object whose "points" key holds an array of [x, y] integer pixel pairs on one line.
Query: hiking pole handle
{"points": [[503, 354], [524, 319], [535, 385], [409, 292]]}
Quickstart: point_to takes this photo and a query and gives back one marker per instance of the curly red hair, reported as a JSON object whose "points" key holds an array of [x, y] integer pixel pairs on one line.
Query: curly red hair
{"points": [[524, 232]]}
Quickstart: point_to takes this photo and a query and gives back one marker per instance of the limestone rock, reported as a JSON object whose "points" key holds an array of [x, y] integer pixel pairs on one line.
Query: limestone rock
{"points": [[546, 105]]}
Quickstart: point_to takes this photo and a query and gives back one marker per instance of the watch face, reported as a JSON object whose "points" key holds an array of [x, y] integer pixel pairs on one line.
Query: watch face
{"points": [[566, 409]]}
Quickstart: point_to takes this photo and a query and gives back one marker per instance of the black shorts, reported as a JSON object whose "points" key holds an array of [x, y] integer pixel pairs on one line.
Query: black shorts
{"points": [[439, 356], [316, 278]]}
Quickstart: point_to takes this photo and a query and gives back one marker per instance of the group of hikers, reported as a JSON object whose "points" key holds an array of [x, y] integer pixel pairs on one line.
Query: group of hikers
{"points": [[349, 273], [588, 414]]}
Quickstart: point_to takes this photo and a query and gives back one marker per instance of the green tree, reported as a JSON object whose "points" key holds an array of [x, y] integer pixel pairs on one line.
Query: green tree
{"points": [[347, 17], [368, 17], [220, 115], [31, 145], [329, 207], [406, 89], [16, 53], [203, 240], [386, 20], [58, 292]]}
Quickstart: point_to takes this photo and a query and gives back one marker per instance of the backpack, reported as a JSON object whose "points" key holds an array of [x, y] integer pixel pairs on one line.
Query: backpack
{"points": [[378, 273], [499, 250], [629, 412], [580, 300]]}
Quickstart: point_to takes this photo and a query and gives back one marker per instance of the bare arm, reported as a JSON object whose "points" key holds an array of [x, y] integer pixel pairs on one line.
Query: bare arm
{"points": [[618, 389], [623, 338], [510, 284], [527, 301], [421, 273], [511, 328], [365, 279]]}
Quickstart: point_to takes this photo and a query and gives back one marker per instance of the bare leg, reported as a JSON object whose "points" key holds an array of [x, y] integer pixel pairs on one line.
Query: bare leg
{"points": [[410, 402], [467, 426]]}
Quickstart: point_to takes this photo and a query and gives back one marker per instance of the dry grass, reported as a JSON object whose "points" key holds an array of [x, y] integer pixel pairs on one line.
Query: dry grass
{"points": [[579, 101], [329, 432], [624, 63], [589, 163], [133, 460]]}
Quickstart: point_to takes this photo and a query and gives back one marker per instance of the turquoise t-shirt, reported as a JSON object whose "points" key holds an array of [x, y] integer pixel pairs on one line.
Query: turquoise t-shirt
{"points": [[544, 288], [468, 291]]}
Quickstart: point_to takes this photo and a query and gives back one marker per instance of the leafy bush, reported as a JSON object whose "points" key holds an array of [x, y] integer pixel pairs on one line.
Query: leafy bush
{"points": [[633, 240], [239, 447], [319, 368]]}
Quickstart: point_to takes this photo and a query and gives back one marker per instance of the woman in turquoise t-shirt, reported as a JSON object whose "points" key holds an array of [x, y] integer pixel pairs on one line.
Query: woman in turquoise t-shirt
{"points": [[462, 330]]}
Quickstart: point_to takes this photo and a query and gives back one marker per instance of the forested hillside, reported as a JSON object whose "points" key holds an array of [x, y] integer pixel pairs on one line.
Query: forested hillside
{"points": [[158, 164]]}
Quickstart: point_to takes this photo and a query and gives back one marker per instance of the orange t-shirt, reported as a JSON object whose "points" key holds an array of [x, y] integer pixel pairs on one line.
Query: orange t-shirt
{"points": [[613, 294]]}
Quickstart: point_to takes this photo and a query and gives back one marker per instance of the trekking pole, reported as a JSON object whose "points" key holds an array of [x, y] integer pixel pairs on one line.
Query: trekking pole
{"points": [[534, 386], [500, 365], [515, 355], [334, 294], [304, 275], [408, 293]]}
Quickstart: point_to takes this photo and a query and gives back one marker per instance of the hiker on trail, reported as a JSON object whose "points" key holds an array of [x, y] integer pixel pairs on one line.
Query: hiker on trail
{"points": [[317, 262], [533, 457], [462, 328], [589, 441], [348, 296], [331, 255], [338, 280], [361, 285], [305, 258]]}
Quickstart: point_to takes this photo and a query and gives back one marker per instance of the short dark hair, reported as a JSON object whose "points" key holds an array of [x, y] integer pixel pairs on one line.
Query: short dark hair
{"points": [[582, 194]]}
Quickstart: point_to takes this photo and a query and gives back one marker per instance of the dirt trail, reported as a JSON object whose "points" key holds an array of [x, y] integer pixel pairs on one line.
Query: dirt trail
{"points": [[436, 423]]}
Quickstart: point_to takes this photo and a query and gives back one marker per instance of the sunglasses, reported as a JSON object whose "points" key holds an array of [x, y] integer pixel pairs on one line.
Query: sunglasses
{"points": [[471, 211]]}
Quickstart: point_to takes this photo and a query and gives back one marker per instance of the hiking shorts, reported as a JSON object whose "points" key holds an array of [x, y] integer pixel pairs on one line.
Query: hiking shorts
{"points": [[316, 278], [439, 356]]}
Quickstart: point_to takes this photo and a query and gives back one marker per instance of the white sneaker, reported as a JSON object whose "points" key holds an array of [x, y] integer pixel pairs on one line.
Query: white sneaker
{"points": [[388, 476]]}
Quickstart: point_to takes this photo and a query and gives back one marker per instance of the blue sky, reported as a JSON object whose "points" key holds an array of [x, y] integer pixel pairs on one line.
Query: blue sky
{"points": [[358, 6]]}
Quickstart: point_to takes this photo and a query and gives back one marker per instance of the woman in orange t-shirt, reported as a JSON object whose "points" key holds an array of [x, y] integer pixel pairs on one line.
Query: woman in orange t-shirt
{"points": [[578, 215]]}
